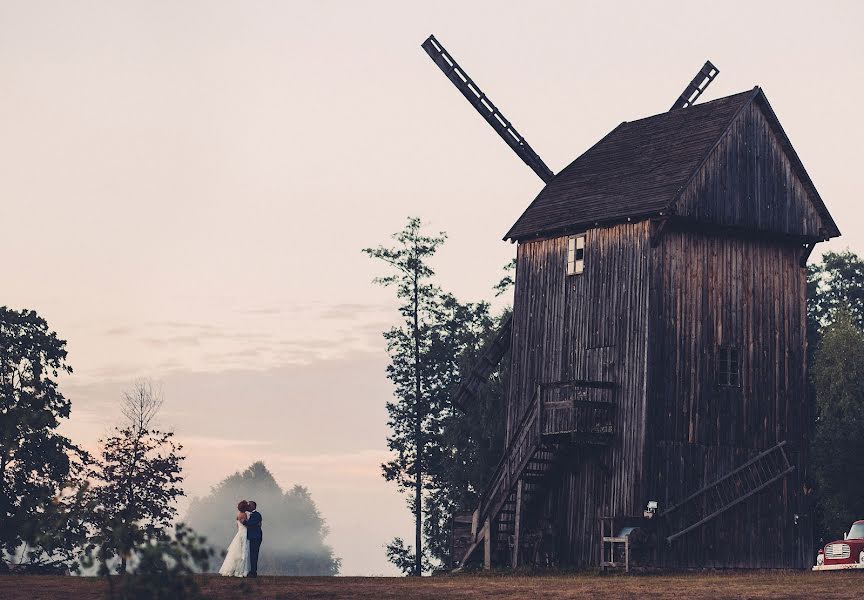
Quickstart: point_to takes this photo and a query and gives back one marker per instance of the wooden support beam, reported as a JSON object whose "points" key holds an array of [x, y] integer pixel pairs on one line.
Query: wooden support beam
{"points": [[627, 554], [520, 488], [487, 545], [602, 535]]}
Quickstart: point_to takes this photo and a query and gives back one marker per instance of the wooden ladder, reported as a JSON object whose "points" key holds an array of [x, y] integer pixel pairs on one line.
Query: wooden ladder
{"points": [[716, 498]]}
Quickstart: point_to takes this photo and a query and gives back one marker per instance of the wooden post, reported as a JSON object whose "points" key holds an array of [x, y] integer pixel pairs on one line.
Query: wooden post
{"points": [[538, 392], [487, 544], [602, 535], [517, 524], [627, 554]]}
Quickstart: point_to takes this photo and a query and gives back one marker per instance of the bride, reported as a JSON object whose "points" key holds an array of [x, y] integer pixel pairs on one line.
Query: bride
{"points": [[236, 563]]}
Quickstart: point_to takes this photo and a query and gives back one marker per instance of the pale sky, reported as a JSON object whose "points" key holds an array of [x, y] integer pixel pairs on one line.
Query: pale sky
{"points": [[187, 187]]}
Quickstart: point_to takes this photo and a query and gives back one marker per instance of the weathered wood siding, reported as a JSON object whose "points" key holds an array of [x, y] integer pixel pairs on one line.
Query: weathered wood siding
{"points": [[748, 181], [591, 326], [710, 291]]}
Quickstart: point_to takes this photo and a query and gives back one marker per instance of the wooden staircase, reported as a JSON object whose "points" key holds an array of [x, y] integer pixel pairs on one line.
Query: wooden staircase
{"points": [[559, 416], [716, 498]]}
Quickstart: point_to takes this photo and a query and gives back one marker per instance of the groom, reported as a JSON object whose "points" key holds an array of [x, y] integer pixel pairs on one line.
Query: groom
{"points": [[254, 535]]}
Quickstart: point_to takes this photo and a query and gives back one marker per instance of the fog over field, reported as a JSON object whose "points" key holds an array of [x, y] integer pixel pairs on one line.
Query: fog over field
{"points": [[295, 530]]}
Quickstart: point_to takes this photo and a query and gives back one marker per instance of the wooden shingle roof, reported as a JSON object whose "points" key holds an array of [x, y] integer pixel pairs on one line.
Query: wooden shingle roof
{"points": [[638, 170]]}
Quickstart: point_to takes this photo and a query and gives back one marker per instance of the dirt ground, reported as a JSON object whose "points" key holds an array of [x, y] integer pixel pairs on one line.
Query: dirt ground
{"points": [[697, 586]]}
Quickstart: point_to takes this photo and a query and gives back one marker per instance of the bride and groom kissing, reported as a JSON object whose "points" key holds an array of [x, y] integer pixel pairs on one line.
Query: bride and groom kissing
{"points": [[241, 560]]}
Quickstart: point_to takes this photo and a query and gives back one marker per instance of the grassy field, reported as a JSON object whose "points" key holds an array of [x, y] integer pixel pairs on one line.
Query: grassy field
{"points": [[698, 586]]}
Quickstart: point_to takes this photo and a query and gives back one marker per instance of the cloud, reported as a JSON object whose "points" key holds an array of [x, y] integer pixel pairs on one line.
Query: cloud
{"points": [[113, 372], [313, 343], [278, 336], [374, 327], [205, 335], [219, 443], [261, 311], [355, 457], [291, 308], [183, 325], [176, 340], [349, 310], [372, 334], [120, 331]]}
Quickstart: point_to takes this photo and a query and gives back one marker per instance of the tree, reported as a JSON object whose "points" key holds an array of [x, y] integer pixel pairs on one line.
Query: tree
{"points": [[508, 280], [469, 444], [138, 478], [295, 530], [39, 468], [835, 284], [412, 418], [439, 451], [838, 444], [165, 566], [835, 312]]}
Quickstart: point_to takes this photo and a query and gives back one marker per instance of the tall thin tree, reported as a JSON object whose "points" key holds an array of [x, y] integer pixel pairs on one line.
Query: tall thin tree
{"points": [[408, 346]]}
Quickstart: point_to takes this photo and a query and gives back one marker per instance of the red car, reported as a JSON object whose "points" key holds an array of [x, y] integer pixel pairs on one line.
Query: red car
{"points": [[847, 553]]}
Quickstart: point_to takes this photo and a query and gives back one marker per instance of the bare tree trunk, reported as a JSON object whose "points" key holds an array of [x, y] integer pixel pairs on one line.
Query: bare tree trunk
{"points": [[3, 474], [3, 491], [418, 430], [407, 259]]}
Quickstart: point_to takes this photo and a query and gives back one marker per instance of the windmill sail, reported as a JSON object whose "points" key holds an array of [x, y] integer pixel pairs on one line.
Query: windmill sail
{"points": [[695, 88], [484, 106]]}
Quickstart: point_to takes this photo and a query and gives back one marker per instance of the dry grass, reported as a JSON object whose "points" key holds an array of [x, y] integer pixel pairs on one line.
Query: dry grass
{"points": [[697, 586]]}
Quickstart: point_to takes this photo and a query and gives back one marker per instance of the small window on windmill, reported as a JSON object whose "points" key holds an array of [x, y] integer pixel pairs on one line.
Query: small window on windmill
{"points": [[728, 367], [576, 254]]}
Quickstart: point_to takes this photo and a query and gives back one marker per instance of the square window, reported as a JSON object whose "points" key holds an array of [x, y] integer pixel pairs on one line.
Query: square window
{"points": [[728, 367], [576, 254]]}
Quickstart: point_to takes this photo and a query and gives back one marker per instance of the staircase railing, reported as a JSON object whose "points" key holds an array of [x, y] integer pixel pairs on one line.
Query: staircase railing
{"points": [[516, 456], [578, 407], [581, 411], [573, 407]]}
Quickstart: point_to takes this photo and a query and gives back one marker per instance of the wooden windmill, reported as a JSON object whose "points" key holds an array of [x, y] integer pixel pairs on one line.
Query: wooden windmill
{"points": [[657, 344]]}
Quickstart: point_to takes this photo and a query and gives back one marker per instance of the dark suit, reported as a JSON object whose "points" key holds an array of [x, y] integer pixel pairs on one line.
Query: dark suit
{"points": [[254, 535]]}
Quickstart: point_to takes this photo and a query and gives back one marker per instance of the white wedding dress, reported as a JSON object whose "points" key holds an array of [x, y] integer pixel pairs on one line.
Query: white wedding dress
{"points": [[236, 563]]}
